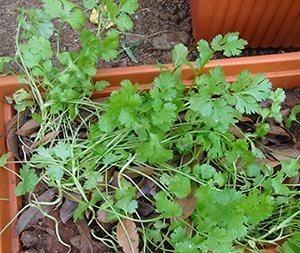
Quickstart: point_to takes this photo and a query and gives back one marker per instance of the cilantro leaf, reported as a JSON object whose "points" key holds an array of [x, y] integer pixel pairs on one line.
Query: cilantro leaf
{"points": [[129, 6], [168, 208], [29, 181], [36, 50], [108, 46], [92, 180], [179, 55], [230, 44], [153, 151], [4, 158], [180, 186], [100, 85], [124, 22], [292, 117], [125, 196], [290, 168], [205, 53], [54, 171], [66, 11]]}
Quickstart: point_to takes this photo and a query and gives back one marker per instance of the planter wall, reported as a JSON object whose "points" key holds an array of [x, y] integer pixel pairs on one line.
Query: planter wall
{"points": [[263, 23], [283, 70]]}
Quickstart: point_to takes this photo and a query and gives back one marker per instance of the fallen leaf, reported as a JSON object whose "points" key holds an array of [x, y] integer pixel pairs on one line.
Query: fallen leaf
{"points": [[94, 16], [17, 119], [136, 171], [145, 209], [28, 128], [188, 205], [285, 154], [277, 130], [48, 137], [146, 186], [84, 231], [233, 130], [12, 144], [31, 215], [246, 119], [80, 243], [127, 236], [67, 209], [102, 216]]}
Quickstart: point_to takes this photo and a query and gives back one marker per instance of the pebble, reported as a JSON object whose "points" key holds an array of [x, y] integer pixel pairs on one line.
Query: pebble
{"points": [[169, 40]]}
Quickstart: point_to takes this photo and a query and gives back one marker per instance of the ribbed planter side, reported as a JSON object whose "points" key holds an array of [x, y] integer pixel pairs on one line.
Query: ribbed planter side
{"points": [[263, 23], [283, 70]]}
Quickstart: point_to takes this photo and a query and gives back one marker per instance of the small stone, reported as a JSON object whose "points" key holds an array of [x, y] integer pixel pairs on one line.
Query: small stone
{"points": [[169, 40]]}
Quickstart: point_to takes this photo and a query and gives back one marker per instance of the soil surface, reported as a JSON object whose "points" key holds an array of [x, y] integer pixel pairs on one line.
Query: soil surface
{"points": [[158, 26]]}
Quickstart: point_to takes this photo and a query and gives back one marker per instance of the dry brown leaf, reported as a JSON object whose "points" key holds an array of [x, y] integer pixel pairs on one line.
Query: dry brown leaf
{"points": [[146, 187], [188, 205], [285, 112], [127, 236], [246, 119], [145, 209], [31, 215], [28, 128], [277, 130], [17, 119], [12, 144], [285, 154], [272, 163], [48, 137], [102, 216], [236, 132], [67, 209], [134, 171]]}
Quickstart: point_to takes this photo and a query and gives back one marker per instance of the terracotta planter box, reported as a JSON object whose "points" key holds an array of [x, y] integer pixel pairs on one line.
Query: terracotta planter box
{"points": [[263, 23], [283, 70]]}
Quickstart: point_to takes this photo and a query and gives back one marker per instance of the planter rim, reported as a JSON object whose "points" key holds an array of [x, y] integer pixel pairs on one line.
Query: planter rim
{"points": [[262, 23], [283, 70]]}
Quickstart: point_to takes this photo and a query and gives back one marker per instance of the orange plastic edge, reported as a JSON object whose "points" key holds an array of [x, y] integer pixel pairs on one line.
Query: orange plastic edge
{"points": [[283, 70], [262, 23]]}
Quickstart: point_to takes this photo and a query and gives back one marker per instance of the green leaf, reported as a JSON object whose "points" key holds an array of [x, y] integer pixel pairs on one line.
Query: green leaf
{"points": [[153, 151], [207, 171], [112, 9], [89, 4], [66, 11], [129, 6], [230, 44], [290, 168], [168, 208], [4, 158], [55, 172], [92, 180], [124, 22], [292, 245], [278, 185], [125, 196], [29, 181], [62, 150], [277, 97], [100, 85], [3, 61], [36, 50], [179, 55], [205, 53], [108, 46], [180, 186], [80, 210], [293, 116]]}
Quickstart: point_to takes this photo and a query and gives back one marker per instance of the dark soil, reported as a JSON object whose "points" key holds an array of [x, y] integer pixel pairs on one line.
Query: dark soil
{"points": [[158, 26]]}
